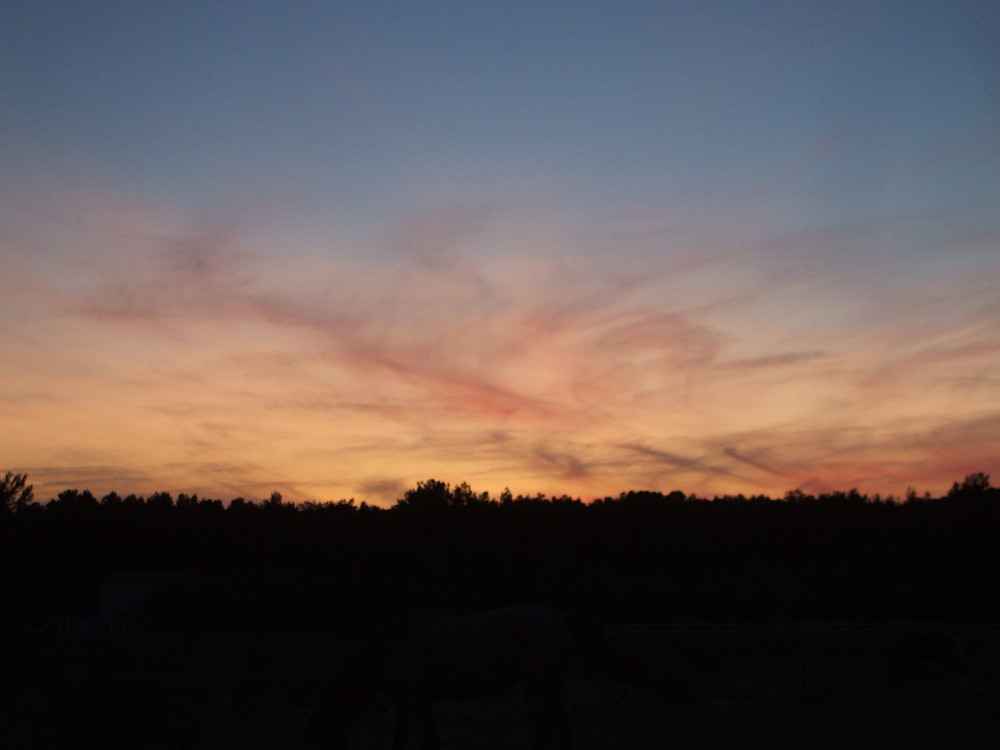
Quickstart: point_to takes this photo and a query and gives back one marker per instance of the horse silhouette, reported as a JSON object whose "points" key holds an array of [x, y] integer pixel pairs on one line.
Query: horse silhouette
{"points": [[419, 660]]}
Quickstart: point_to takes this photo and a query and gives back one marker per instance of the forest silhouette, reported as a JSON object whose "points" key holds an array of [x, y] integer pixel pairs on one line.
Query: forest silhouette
{"points": [[211, 624], [641, 556]]}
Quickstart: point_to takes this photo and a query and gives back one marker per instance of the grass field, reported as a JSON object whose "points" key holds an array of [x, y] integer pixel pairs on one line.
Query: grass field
{"points": [[746, 692]]}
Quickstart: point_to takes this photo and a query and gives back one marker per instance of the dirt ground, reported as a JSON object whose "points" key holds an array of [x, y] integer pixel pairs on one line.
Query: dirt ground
{"points": [[749, 714], [750, 693], [745, 693]]}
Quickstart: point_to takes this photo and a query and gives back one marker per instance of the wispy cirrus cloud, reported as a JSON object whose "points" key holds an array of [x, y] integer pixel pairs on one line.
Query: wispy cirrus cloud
{"points": [[448, 351]]}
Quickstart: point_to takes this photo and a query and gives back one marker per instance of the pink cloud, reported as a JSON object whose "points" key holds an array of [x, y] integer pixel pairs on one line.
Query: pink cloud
{"points": [[467, 352]]}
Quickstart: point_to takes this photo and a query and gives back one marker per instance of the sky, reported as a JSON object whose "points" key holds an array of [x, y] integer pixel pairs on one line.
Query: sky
{"points": [[334, 249]]}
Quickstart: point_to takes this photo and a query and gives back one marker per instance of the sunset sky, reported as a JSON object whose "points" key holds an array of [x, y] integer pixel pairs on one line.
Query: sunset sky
{"points": [[334, 248]]}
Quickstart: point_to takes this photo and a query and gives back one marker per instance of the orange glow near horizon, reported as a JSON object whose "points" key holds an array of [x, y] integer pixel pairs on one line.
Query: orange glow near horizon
{"points": [[180, 362]]}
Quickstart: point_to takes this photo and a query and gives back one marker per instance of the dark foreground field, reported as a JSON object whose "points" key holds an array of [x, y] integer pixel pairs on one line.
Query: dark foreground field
{"points": [[747, 691], [232, 610]]}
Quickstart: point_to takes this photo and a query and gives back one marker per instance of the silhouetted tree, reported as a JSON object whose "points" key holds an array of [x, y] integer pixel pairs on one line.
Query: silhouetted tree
{"points": [[972, 487], [186, 502], [463, 494], [15, 492], [431, 495], [160, 501], [112, 500], [276, 503], [73, 503]]}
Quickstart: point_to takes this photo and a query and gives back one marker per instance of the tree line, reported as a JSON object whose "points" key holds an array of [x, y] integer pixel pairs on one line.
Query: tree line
{"points": [[272, 565]]}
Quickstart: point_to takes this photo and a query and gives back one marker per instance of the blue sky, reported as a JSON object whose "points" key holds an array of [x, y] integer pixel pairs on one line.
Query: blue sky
{"points": [[574, 247], [369, 101]]}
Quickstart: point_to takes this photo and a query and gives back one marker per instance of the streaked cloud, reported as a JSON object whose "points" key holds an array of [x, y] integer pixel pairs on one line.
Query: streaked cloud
{"points": [[717, 250], [442, 359]]}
